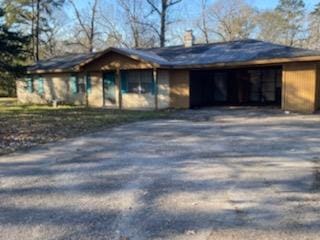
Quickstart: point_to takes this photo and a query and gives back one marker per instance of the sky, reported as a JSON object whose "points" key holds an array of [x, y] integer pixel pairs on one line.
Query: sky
{"points": [[260, 4], [193, 6], [264, 4], [187, 11]]}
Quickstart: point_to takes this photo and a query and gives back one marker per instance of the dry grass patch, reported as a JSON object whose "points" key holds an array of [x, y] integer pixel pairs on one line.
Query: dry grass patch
{"points": [[23, 126]]}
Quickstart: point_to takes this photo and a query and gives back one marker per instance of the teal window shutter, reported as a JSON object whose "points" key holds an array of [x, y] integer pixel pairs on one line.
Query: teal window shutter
{"points": [[29, 84], [74, 84], [88, 84], [124, 82], [40, 86], [153, 86]]}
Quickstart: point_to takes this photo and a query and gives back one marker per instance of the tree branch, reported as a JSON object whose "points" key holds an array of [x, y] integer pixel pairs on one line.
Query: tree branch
{"points": [[154, 7]]}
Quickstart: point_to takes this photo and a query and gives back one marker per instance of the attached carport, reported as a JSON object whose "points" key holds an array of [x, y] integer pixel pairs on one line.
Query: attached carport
{"points": [[241, 86]]}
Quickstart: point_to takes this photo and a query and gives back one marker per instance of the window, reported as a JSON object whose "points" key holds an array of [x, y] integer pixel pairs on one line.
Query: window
{"points": [[74, 84], [88, 84], [133, 81], [29, 84], [140, 82], [220, 90], [40, 85]]}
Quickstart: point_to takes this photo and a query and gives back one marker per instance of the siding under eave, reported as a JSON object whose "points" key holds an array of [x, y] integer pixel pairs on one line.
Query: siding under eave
{"points": [[179, 89], [299, 87]]}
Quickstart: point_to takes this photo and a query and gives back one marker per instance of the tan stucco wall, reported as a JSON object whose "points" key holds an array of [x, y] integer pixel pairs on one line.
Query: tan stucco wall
{"points": [[95, 96], [138, 101], [25, 97], [163, 89], [56, 86], [179, 89], [299, 87]]}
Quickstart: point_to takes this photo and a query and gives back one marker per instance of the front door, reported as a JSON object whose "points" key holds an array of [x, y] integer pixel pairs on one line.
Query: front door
{"points": [[109, 89]]}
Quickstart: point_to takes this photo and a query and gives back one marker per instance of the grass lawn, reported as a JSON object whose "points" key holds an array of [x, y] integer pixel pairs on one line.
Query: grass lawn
{"points": [[23, 126]]}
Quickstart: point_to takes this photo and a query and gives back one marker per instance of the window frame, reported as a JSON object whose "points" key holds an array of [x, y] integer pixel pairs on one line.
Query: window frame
{"points": [[88, 83], [74, 83], [40, 85], [141, 81], [29, 84]]}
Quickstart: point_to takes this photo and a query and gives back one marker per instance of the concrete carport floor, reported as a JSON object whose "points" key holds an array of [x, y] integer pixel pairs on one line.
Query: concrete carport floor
{"points": [[222, 173]]}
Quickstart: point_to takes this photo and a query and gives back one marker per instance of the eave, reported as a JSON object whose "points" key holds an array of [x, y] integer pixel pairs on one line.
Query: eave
{"points": [[71, 70], [273, 61]]}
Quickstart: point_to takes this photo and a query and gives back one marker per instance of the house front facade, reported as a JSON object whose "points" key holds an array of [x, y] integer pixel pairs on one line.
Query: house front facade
{"points": [[244, 72]]}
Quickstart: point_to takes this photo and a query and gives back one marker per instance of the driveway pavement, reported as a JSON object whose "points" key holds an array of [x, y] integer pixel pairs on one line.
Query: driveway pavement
{"points": [[209, 174]]}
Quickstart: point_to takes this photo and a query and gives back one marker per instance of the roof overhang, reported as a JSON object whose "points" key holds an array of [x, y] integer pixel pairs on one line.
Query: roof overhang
{"points": [[78, 67], [273, 61], [71, 70], [118, 51]]}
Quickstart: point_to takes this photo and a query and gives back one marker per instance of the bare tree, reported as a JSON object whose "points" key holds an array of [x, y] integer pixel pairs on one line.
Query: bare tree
{"points": [[202, 22], [139, 28], [231, 19], [314, 28], [53, 38], [270, 26], [113, 32], [161, 8], [86, 24], [292, 12]]}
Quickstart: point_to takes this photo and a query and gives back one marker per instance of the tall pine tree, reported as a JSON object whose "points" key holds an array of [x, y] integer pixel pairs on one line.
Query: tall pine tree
{"points": [[12, 55], [32, 16]]}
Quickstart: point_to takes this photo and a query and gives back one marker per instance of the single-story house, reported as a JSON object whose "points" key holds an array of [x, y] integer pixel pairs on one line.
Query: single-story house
{"points": [[243, 72]]}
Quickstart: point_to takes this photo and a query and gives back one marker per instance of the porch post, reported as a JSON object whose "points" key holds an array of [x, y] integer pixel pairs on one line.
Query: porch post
{"points": [[118, 76], [155, 80], [85, 81]]}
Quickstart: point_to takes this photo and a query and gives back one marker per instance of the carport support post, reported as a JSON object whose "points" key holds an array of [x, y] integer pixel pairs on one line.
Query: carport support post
{"points": [[85, 77], [118, 76], [155, 80]]}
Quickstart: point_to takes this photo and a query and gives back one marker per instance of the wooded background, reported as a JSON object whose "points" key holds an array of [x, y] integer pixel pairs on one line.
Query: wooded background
{"points": [[31, 30]]}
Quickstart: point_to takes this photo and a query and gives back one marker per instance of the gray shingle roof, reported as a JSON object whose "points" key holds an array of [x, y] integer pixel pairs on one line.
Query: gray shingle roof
{"points": [[63, 62], [201, 54], [148, 56], [229, 52]]}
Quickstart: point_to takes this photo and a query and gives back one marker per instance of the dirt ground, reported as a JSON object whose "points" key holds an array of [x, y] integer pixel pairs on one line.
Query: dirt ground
{"points": [[223, 173]]}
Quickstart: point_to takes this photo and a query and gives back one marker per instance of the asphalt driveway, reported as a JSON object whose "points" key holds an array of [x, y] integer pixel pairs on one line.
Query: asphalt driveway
{"points": [[208, 174]]}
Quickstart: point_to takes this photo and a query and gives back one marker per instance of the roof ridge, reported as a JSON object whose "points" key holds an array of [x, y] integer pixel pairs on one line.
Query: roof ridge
{"points": [[201, 44]]}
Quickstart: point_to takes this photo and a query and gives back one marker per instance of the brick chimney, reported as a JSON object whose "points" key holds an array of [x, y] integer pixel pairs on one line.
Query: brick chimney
{"points": [[188, 38]]}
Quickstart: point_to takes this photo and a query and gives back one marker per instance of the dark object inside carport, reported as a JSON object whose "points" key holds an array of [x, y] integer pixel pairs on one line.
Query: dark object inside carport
{"points": [[254, 86]]}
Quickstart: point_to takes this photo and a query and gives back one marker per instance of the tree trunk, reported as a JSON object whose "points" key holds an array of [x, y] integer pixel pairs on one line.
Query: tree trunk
{"points": [[33, 41], [37, 30], [163, 23]]}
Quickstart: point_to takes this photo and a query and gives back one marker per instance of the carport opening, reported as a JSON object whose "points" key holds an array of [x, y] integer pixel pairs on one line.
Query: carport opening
{"points": [[236, 87]]}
